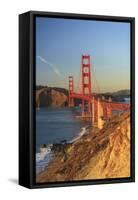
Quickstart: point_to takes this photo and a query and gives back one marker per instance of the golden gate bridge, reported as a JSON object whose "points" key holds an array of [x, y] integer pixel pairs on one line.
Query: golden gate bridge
{"points": [[98, 109]]}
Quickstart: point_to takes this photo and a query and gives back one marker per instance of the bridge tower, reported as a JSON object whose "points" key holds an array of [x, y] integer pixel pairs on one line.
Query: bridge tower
{"points": [[86, 82], [71, 91]]}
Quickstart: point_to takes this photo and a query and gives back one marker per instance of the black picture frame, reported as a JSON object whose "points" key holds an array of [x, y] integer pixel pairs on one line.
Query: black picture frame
{"points": [[27, 99]]}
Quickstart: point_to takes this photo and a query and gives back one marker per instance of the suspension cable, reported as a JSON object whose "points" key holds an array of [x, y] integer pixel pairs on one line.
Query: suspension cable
{"points": [[96, 81]]}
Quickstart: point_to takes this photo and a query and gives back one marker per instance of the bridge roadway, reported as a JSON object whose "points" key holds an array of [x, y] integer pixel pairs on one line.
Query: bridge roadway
{"points": [[111, 105]]}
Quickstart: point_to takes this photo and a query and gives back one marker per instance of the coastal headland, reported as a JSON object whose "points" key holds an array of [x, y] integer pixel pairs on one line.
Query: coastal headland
{"points": [[98, 154]]}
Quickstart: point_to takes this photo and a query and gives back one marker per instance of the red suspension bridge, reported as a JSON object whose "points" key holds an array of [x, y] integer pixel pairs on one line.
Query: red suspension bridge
{"points": [[97, 109]]}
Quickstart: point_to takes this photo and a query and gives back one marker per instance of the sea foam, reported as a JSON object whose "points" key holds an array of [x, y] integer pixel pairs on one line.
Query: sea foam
{"points": [[45, 155], [81, 133], [43, 158]]}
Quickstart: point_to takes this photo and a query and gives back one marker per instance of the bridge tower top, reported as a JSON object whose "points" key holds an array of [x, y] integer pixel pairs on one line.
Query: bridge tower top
{"points": [[86, 75]]}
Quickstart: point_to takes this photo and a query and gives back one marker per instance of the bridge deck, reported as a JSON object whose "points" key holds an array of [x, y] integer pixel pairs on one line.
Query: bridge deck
{"points": [[111, 105]]}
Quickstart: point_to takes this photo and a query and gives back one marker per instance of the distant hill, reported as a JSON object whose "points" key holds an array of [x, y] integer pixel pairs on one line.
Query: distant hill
{"points": [[63, 90], [51, 96], [38, 87], [119, 93], [118, 96]]}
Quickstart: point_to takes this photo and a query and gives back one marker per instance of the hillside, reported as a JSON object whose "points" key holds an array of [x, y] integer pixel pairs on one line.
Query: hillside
{"points": [[48, 96], [97, 154], [121, 93], [118, 95]]}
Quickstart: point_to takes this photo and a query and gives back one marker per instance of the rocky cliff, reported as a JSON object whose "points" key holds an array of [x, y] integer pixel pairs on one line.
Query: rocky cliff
{"points": [[55, 97], [98, 154]]}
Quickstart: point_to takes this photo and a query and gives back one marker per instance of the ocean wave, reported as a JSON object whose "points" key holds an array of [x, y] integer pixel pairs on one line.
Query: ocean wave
{"points": [[81, 133], [43, 158], [45, 155]]}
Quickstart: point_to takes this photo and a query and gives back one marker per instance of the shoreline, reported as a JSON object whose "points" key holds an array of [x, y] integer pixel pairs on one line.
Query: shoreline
{"points": [[99, 154], [48, 152]]}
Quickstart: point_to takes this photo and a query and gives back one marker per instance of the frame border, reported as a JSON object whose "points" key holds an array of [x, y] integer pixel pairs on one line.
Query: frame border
{"points": [[32, 82]]}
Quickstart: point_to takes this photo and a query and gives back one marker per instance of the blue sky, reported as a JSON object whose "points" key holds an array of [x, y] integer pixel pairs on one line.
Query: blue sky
{"points": [[61, 42]]}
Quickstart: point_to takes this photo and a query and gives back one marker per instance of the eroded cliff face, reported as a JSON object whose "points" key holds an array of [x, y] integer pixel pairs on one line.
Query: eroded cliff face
{"points": [[114, 160], [97, 154], [39, 93], [59, 99], [46, 97]]}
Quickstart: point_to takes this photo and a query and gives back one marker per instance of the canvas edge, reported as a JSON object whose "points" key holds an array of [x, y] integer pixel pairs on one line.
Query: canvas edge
{"points": [[31, 183]]}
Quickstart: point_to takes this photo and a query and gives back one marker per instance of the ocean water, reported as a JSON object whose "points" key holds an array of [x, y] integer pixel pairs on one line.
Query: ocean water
{"points": [[52, 126]]}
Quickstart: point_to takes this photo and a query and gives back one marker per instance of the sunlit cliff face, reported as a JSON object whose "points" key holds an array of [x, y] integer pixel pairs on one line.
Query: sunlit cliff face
{"points": [[98, 154]]}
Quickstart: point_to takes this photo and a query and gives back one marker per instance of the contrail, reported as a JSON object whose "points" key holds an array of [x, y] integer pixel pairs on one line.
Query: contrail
{"points": [[50, 64]]}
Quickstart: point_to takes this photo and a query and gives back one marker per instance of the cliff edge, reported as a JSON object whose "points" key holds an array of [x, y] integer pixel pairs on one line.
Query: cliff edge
{"points": [[51, 97], [98, 154]]}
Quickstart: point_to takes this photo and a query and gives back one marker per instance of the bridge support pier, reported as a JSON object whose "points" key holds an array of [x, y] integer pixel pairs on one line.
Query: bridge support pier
{"points": [[100, 115], [71, 91], [109, 112], [97, 113], [89, 107], [94, 112], [82, 107], [71, 102]]}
